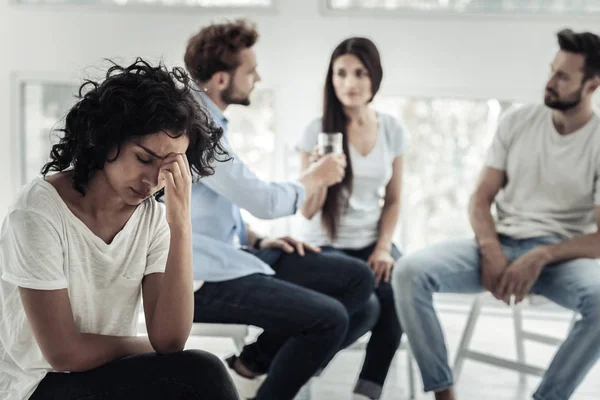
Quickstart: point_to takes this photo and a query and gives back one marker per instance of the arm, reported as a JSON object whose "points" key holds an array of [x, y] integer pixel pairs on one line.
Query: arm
{"points": [[268, 200], [490, 182], [312, 204], [585, 246], [381, 260], [51, 317], [252, 236], [391, 207], [169, 297], [493, 260]]}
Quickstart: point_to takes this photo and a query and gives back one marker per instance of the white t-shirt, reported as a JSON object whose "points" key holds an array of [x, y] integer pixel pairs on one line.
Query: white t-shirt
{"points": [[44, 246], [553, 179], [359, 225]]}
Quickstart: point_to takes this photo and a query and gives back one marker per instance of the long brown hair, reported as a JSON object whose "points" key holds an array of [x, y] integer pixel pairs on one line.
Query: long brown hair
{"points": [[334, 119]]}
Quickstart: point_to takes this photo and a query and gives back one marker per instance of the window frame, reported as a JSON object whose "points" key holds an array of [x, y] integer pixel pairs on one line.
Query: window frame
{"points": [[328, 11], [273, 9], [19, 139]]}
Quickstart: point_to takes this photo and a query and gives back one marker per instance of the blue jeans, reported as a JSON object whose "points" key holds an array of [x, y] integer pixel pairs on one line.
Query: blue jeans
{"points": [[454, 267], [304, 311], [380, 318]]}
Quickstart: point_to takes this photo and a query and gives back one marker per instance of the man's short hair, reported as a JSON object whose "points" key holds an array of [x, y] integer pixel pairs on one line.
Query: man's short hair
{"points": [[216, 48], [586, 44]]}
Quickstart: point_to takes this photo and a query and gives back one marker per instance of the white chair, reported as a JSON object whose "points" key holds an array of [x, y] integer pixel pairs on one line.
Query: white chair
{"points": [[237, 333], [520, 365]]}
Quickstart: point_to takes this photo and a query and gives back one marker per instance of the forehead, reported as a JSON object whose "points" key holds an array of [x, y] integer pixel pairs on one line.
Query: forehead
{"points": [[570, 63], [347, 61], [247, 58], [163, 144]]}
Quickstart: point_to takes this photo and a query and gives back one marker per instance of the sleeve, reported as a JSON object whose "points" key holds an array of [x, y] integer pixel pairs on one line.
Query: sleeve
{"points": [[498, 151], [234, 180], [308, 140], [156, 260], [31, 252], [398, 139]]}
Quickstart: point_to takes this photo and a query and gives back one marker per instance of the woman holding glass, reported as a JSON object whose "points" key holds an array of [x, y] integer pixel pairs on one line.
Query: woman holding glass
{"points": [[357, 217]]}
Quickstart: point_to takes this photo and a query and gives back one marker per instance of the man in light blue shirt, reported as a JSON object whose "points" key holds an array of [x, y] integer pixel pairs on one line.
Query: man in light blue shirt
{"points": [[301, 298]]}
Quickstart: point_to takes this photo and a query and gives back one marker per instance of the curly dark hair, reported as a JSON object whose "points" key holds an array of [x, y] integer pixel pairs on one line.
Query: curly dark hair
{"points": [[586, 44], [216, 48], [134, 101]]}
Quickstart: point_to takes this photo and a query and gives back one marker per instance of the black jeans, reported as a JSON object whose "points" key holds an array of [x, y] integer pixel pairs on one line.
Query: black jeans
{"points": [[378, 315], [386, 331], [189, 375], [304, 310]]}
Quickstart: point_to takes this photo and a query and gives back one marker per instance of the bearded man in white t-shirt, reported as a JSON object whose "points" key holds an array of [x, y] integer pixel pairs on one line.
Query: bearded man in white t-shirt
{"points": [[542, 173]]}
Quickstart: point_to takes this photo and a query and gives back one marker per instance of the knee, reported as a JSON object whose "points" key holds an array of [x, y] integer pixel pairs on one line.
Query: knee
{"points": [[197, 360], [334, 316], [202, 371], [363, 274], [590, 304], [373, 310], [407, 273]]}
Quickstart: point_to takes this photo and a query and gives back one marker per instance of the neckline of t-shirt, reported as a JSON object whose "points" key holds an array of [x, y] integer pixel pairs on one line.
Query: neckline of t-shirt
{"points": [[377, 140], [588, 126], [80, 225]]}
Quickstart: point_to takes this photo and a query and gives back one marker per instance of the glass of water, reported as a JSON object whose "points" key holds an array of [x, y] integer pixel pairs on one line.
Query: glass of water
{"points": [[330, 143]]}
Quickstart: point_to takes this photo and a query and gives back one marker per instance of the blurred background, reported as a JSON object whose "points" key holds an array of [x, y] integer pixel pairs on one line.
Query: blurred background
{"points": [[451, 68]]}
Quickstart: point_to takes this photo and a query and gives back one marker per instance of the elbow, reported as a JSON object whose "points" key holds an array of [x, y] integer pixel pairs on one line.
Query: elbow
{"points": [[64, 361], [392, 202], [306, 213], [168, 347], [265, 211], [477, 201], [168, 344]]}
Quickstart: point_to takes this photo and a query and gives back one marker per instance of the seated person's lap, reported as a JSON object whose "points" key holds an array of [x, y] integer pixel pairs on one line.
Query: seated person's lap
{"points": [[263, 301]]}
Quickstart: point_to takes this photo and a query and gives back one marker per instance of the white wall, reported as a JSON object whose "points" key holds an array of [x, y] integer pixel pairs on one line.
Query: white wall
{"points": [[469, 56]]}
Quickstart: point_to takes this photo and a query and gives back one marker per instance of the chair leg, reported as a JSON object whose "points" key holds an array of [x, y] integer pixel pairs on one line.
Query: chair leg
{"points": [[519, 338], [411, 373], [467, 335]]}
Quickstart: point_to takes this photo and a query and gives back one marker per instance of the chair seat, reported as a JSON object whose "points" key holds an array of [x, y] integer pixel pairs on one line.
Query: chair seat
{"points": [[218, 330]]}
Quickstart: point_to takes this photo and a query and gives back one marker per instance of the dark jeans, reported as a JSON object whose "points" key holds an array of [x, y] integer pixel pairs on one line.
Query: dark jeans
{"points": [[386, 331], [190, 374], [304, 311]]}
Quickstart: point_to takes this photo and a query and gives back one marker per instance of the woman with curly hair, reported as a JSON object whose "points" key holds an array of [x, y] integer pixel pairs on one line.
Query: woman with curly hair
{"points": [[81, 244]]}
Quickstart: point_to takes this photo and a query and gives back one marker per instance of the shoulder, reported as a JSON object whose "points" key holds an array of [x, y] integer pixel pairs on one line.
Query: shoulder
{"points": [[394, 132], [38, 197], [308, 140], [391, 124], [313, 128], [523, 113]]}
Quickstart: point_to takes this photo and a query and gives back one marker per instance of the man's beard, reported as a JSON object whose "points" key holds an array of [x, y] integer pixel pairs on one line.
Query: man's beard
{"points": [[227, 97], [559, 104]]}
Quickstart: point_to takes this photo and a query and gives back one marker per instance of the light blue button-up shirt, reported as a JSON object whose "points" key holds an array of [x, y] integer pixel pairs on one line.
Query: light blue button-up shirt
{"points": [[216, 219]]}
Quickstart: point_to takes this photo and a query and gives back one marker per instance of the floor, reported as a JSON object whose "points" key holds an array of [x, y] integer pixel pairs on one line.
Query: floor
{"points": [[493, 335]]}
